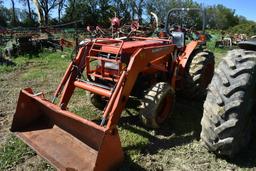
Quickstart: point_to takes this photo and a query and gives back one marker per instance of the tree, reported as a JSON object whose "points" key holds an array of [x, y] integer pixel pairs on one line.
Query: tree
{"points": [[14, 17], [39, 12], [5, 16], [74, 10], [98, 12], [137, 9], [27, 3], [92, 12], [121, 8], [248, 28], [43, 8], [106, 11], [221, 17], [60, 8], [47, 6], [161, 7], [70, 9]]}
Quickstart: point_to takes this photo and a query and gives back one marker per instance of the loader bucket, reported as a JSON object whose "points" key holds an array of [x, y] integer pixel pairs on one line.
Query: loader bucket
{"points": [[66, 140]]}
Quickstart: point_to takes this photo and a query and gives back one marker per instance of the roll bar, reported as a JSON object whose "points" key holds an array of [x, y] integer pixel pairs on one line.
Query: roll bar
{"points": [[202, 11]]}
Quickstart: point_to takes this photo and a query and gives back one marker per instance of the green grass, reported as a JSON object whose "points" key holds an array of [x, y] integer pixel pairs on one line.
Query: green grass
{"points": [[46, 58], [34, 73], [219, 54], [15, 64], [13, 153], [41, 72]]}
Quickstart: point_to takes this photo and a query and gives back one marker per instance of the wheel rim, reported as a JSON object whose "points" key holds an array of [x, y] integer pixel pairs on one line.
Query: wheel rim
{"points": [[207, 75], [164, 109]]}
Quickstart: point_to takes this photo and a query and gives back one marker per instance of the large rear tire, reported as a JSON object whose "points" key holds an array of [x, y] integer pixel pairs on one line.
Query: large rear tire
{"points": [[157, 105], [228, 109], [198, 74]]}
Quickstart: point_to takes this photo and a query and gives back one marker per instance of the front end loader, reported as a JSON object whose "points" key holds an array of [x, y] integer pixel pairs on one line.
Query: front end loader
{"points": [[111, 70]]}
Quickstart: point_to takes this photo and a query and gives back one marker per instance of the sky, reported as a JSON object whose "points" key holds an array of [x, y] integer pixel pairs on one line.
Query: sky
{"points": [[242, 7]]}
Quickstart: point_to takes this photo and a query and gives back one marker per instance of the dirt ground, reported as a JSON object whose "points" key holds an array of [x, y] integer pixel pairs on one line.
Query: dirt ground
{"points": [[176, 146]]}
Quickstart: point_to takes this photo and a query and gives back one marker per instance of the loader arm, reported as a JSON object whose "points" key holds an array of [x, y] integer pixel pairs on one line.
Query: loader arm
{"points": [[71, 67], [71, 76], [140, 60]]}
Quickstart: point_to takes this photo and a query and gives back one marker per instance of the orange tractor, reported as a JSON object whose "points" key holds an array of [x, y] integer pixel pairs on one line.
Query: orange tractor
{"points": [[111, 71]]}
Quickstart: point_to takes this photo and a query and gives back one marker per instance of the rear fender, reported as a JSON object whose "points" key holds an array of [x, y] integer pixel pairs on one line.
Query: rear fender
{"points": [[184, 57], [182, 62]]}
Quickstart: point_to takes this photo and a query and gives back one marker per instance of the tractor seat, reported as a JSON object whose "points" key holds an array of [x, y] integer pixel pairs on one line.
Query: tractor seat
{"points": [[178, 38]]}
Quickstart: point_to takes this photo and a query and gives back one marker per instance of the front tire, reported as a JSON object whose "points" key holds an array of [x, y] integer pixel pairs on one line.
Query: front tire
{"points": [[97, 101], [157, 105]]}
